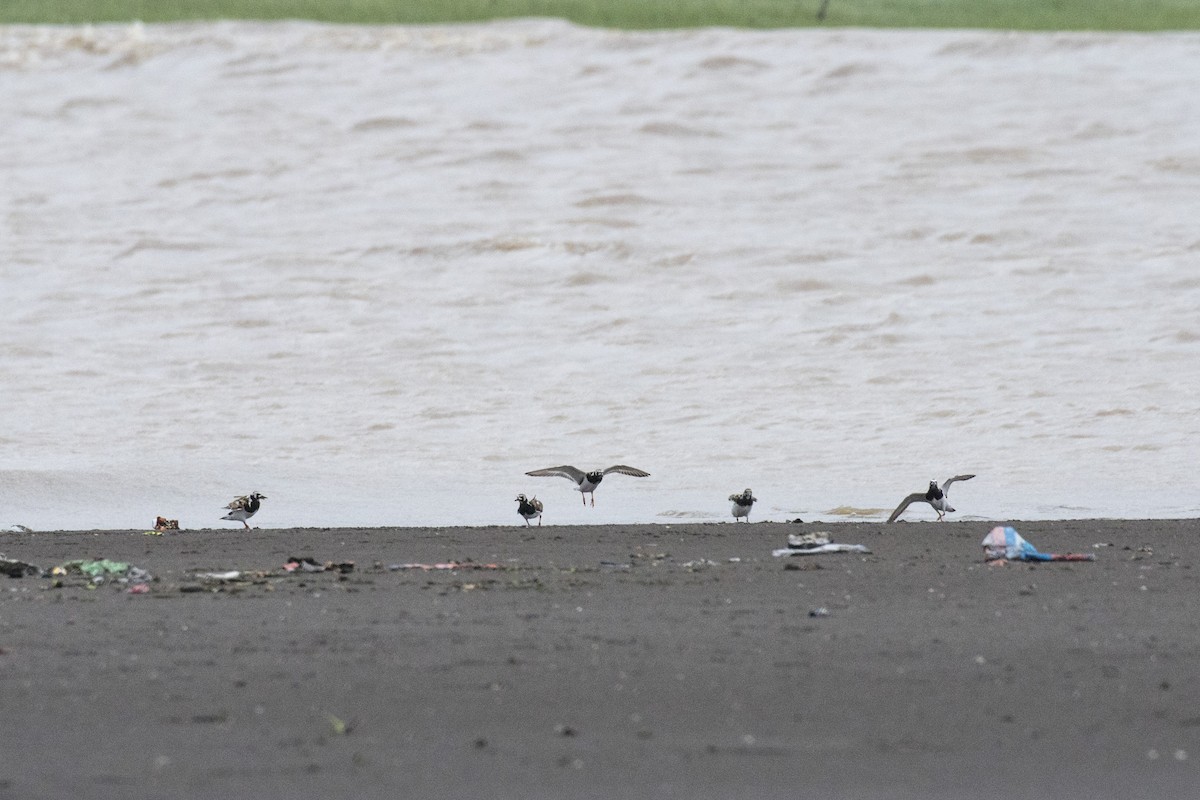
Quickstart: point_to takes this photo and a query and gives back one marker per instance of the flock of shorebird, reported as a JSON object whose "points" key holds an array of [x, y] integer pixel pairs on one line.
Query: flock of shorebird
{"points": [[242, 508]]}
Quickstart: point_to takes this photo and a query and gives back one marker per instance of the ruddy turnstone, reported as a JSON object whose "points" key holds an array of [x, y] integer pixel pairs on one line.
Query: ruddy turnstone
{"points": [[245, 507], [586, 482], [939, 498], [741, 504], [529, 509]]}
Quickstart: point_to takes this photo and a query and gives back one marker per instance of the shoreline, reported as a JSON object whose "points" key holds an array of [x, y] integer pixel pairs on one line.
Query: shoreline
{"points": [[884, 526], [601, 661]]}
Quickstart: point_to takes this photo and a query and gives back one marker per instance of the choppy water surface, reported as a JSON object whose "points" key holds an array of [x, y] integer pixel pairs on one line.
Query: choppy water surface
{"points": [[379, 273]]}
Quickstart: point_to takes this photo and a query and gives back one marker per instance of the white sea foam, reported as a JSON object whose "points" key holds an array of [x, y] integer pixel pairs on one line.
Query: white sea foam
{"points": [[379, 273]]}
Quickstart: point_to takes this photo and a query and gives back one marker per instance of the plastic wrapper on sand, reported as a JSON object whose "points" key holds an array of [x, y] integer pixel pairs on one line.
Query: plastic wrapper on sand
{"points": [[810, 544], [1004, 543]]}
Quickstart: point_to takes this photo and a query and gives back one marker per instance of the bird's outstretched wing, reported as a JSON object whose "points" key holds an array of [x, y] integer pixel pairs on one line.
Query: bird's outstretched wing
{"points": [[946, 485], [624, 470], [570, 473], [905, 503]]}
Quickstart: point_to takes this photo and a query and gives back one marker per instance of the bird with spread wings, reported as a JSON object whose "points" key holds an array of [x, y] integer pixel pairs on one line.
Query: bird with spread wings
{"points": [[937, 497], [586, 482]]}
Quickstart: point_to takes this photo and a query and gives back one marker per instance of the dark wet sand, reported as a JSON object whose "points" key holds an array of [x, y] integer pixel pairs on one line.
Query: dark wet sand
{"points": [[673, 671]]}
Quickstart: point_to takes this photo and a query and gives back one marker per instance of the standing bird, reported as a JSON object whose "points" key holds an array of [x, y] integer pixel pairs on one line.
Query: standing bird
{"points": [[742, 503], [938, 498], [529, 509], [245, 507], [586, 482]]}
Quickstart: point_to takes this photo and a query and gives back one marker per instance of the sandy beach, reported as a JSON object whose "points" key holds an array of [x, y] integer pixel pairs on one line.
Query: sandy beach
{"points": [[608, 661]]}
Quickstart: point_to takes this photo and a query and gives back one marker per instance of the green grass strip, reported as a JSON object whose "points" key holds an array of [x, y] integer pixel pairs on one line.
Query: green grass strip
{"points": [[1107, 15]]}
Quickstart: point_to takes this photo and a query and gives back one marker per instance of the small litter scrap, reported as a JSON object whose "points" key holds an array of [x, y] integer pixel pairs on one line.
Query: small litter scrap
{"points": [[17, 569], [808, 544], [1005, 544], [227, 575], [101, 570], [448, 565], [308, 564], [303, 564], [164, 524]]}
